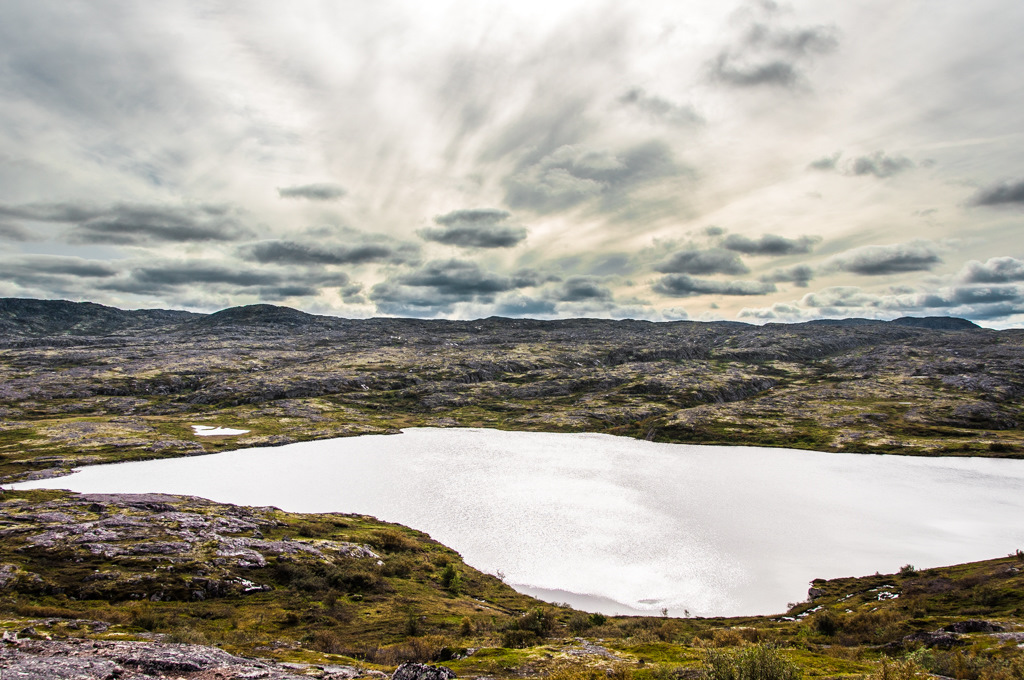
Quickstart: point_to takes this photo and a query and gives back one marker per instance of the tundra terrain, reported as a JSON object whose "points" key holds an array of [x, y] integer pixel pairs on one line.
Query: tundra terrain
{"points": [[81, 383]]}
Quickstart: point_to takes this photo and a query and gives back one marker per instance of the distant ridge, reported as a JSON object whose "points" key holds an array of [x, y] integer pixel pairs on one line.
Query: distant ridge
{"points": [[27, 317], [261, 315], [935, 323], [938, 323]]}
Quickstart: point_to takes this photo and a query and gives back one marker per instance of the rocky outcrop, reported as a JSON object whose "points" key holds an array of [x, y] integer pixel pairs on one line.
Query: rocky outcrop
{"points": [[103, 660], [420, 671]]}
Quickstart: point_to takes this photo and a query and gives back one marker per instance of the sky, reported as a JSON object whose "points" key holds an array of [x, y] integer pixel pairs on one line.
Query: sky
{"points": [[741, 160]]}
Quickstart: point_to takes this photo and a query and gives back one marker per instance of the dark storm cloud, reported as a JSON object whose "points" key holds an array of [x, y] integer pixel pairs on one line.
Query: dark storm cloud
{"points": [[660, 109], [881, 260], [767, 54], [994, 270], [313, 192], [681, 285], [879, 165], [711, 261], [579, 288], [798, 275], [770, 244], [570, 176], [292, 252], [136, 224], [1000, 194], [475, 229]]}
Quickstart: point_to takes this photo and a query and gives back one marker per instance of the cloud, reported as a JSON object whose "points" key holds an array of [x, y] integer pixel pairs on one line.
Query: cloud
{"points": [[313, 192], [571, 175], [799, 275], [825, 163], [882, 260], [31, 265], [711, 261], [681, 285], [519, 305], [993, 270], [770, 244], [13, 232], [1000, 194], [579, 288], [777, 73], [170, 276], [879, 164], [660, 109], [292, 252], [460, 278], [475, 229], [767, 54], [56, 274], [977, 302], [136, 224], [438, 286]]}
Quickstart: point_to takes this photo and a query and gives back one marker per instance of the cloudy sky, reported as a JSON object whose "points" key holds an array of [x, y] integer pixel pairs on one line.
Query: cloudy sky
{"points": [[743, 160]]}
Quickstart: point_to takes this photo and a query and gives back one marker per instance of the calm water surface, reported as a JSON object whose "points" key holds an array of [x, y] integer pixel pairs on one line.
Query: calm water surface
{"points": [[619, 525]]}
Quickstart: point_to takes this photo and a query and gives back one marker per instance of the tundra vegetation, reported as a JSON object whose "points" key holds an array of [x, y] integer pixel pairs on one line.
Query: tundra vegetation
{"points": [[350, 590], [82, 384]]}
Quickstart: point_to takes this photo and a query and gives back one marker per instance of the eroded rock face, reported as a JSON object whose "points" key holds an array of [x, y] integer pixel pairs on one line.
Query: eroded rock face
{"points": [[104, 659]]}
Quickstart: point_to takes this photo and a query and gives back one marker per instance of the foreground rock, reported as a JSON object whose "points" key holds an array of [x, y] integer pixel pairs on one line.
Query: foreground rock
{"points": [[104, 660]]}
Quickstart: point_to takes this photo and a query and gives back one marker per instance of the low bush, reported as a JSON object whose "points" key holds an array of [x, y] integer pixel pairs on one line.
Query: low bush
{"points": [[756, 662]]}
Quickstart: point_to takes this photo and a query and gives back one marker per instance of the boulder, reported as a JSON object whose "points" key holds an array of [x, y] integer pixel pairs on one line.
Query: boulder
{"points": [[421, 671]]}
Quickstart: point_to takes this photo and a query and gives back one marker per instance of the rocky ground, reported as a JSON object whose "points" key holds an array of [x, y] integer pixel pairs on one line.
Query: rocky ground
{"points": [[82, 383], [145, 586], [119, 586]]}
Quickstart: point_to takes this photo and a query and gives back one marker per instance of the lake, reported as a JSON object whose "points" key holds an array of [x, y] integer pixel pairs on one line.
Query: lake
{"points": [[624, 526]]}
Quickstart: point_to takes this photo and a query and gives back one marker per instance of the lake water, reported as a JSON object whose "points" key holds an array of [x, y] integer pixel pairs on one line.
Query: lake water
{"points": [[619, 525]]}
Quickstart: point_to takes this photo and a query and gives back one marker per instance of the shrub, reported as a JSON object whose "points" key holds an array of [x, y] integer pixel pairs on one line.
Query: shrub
{"points": [[451, 580], [528, 629], [756, 662], [392, 540], [898, 670], [466, 628], [826, 623], [579, 623], [908, 570]]}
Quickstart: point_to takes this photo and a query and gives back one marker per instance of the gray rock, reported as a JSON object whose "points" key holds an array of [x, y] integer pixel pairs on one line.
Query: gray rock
{"points": [[973, 626], [421, 671]]}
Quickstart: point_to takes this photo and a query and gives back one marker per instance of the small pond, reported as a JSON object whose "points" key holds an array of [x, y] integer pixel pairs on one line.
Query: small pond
{"points": [[624, 526]]}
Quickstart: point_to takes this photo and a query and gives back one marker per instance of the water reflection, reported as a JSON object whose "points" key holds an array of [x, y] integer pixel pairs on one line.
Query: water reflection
{"points": [[630, 526]]}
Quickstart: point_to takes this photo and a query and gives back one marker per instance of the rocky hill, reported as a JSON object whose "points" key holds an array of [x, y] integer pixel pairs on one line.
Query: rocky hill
{"points": [[97, 587], [82, 383]]}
